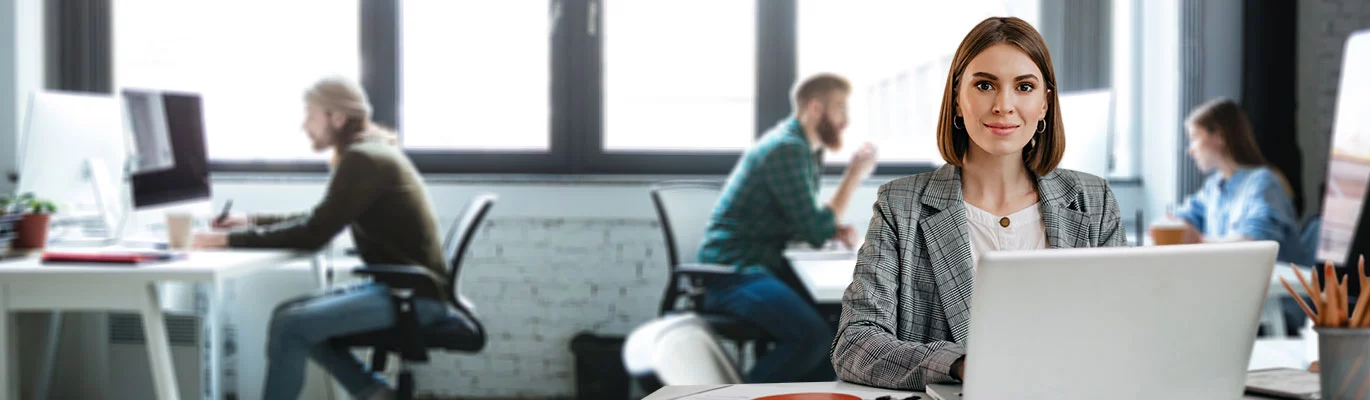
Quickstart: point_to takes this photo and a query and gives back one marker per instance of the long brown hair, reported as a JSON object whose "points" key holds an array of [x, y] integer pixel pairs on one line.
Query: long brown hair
{"points": [[1225, 119], [953, 142]]}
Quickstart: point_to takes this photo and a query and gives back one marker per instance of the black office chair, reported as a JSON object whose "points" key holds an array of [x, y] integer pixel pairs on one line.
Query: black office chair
{"points": [[684, 208], [461, 330]]}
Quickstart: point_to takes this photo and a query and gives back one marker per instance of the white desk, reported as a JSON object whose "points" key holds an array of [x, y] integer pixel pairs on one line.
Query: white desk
{"points": [[27, 284], [1265, 354], [747, 392], [752, 391], [826, 276]]}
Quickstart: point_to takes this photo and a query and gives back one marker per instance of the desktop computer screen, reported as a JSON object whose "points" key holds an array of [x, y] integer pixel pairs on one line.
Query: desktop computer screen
{"points": [[168, 129], [73, 154], [1345, 234]]}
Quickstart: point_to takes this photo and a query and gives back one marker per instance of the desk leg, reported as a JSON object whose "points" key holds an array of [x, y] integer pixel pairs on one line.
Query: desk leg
{"points": [[212, 356], [49, 360], [9, 354], [158, 347], [322, 269]]}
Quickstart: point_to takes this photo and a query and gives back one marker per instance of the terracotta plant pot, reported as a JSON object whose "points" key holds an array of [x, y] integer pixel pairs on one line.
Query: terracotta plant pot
{"points": [[32, 231]]}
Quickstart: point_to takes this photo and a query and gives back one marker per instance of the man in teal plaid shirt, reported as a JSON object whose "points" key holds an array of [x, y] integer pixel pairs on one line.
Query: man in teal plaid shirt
{"points": [[770, 200]]}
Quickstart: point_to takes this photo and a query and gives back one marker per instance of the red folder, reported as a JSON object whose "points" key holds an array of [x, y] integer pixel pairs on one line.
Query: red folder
{"points": [[106, 257]]}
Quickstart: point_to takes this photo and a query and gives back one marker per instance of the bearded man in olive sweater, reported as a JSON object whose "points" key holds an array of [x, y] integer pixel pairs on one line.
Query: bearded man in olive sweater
{"points": [[374, 190]]}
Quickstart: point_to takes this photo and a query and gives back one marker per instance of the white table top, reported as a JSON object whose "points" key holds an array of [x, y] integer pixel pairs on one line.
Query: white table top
{"points": [[1266, 353], [748, 392], [197, 266], [827, 274]]}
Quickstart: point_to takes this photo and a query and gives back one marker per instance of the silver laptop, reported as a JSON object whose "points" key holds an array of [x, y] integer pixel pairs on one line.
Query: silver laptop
{"points": [[1171, 322]]}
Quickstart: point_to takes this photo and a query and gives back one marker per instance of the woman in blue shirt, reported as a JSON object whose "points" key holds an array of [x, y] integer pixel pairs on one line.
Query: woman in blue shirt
{"points": [[1244, 198]]}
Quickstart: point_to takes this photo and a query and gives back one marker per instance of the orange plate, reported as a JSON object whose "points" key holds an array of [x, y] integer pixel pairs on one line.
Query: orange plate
{"points": [[810, 396]]}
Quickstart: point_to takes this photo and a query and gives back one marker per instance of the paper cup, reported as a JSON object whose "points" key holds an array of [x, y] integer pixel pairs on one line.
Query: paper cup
{"points": [[178, 230]]}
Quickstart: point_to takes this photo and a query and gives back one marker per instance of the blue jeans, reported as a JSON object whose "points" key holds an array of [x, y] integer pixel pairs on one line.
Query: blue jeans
{"points": [[301, 328], [802, 338]]}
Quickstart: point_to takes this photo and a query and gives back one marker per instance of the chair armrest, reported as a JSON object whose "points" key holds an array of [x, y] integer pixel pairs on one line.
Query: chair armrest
{"points": [[705, 269], [423, 282]]}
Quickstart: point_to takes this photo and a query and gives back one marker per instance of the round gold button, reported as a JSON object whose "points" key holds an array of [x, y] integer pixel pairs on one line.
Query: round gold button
{"points": [[1003, 222]]}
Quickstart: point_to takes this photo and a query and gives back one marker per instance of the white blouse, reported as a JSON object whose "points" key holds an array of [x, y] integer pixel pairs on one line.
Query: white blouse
{"points": [[1022, 230]]}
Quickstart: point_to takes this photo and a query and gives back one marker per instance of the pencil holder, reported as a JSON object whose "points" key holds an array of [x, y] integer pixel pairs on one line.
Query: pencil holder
{"points": [[1345, 370]]}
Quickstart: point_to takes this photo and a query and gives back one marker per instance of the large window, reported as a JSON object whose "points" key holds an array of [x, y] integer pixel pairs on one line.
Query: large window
{"points": [[250, 59], [476, 75], [584, 86], [670, 84]]}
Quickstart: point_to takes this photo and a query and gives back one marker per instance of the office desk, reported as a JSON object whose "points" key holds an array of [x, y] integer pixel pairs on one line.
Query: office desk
{"points": [[740, 392], [752, 391], [27, 285], [1265, 353]]}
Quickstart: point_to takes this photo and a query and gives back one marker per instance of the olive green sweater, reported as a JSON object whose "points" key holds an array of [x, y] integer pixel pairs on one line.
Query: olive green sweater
{"points": [[377, 192]]}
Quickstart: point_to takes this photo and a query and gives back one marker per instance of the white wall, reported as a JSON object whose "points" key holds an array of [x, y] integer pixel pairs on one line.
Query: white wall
{"points": [[1323, 28]]}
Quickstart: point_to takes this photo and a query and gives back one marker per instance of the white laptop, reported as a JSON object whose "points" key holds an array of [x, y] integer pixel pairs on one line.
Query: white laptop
{"points": [[1170, 322]]}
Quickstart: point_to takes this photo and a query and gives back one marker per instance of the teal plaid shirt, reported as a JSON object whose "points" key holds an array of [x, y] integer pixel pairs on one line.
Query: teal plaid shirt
{"points": [[770, 200]]}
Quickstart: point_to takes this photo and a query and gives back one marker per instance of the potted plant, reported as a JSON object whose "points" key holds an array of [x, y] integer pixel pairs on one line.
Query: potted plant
{"points": [[32, 228]]}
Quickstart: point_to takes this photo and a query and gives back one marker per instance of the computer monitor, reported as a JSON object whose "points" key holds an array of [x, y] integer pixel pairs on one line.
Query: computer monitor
{"points": [[73, 154], [171, 165], [1345, 234]]}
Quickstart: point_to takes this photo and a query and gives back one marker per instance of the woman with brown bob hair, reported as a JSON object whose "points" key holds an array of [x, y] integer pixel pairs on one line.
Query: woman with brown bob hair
{"points": [[906, 314]]}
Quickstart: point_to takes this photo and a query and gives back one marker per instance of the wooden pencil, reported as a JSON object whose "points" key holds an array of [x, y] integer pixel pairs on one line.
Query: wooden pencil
{"points": [[1358, 316], [1329, 297], [1299, 299], [1316, 294], [1308, 289]]}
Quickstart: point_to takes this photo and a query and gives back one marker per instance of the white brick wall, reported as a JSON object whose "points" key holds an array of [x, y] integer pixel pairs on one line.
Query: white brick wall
{"points": [[536, 283], [1323, 28]]}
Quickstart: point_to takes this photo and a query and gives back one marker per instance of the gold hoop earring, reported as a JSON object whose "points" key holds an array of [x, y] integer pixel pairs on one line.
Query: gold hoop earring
{"points": [[1041, 126]]}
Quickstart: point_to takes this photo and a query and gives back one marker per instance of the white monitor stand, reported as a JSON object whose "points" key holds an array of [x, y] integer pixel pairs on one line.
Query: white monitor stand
{"points": [[109, 206]]}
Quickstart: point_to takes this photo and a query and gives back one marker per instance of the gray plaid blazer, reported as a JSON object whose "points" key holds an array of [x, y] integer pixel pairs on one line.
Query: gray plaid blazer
{"points": [[907, 312]]}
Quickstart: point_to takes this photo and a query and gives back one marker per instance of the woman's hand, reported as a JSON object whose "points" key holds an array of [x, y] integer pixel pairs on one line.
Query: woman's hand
{"points": [[1192, 234]]}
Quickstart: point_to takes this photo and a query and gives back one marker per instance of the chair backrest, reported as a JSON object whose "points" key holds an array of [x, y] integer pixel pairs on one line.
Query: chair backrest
{"points": [[683, 208], [459, 240], [678, 349]]}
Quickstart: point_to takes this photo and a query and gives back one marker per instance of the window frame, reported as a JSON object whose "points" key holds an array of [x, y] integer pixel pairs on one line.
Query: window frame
{"points": [[575, 130]]}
